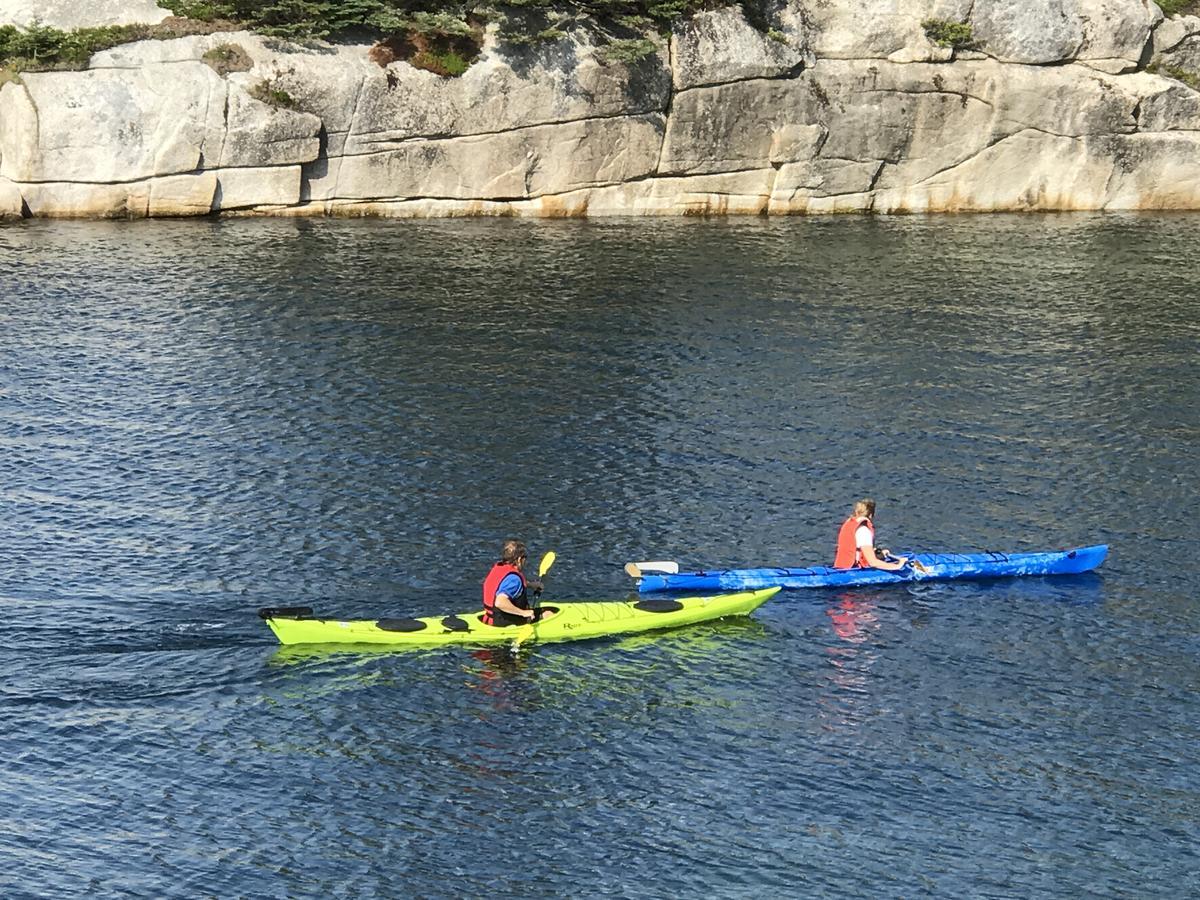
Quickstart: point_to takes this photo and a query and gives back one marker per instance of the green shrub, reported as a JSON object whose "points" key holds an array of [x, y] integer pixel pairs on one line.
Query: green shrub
{"points": [[282, 18], [635, 22], [1176, 7], [945, 33], [544, 36], [1188, 77], [269, 92], [439, 23], [329, 18], [449, 63], [627, 51], [40, 47], [389, 18], [664, 12]]}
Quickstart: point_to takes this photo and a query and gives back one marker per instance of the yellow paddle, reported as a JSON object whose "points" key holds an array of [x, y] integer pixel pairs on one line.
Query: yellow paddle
{"points": [[525, 632]]}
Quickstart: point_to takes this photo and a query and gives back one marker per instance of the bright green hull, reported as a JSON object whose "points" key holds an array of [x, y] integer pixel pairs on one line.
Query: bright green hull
{"points": [[574, 621]]}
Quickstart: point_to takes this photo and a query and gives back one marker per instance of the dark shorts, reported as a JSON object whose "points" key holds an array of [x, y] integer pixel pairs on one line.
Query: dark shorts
{"points": [[501, 619]]}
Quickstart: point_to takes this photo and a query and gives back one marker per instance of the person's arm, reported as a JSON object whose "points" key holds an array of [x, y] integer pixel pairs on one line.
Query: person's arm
{"points": [[869, 557], [505, 604]]}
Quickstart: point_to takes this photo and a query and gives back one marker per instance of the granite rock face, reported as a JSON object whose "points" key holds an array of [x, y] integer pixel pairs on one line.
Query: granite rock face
{"points": [[11, 201], [1177, 44], [817, 106], [719, 46], [69, 14]]}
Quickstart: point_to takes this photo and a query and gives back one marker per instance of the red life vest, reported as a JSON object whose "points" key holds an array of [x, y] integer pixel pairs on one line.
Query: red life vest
{"points": [[491, 585], [847, 556]]}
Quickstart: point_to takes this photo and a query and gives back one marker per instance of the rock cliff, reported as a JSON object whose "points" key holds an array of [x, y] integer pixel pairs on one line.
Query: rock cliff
{"points": [[839, 106]]}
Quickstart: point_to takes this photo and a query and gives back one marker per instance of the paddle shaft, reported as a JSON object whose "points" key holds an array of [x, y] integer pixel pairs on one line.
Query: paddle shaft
{"points": [[543, 567]]}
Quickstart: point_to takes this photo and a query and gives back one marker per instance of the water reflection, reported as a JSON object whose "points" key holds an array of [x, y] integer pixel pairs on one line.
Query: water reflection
{"points": [[853, 617], [855, 620], [499, 666], [867, 625], [701, 638], [522, 679]]}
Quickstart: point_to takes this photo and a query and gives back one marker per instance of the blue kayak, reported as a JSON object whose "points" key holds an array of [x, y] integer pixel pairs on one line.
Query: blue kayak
{"points": [[939, 567]]}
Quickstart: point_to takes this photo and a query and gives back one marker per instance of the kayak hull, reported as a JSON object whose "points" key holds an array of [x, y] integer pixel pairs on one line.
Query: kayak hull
{"points": [[574, 621], [941, 567]]}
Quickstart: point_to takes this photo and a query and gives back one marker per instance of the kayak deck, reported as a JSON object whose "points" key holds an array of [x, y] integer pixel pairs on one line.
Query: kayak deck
{"points": [[573, 621], [939, 567]]}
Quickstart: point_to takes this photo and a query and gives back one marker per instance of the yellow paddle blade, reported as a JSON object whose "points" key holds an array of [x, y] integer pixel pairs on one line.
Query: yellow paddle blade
{"points": [[632, 570], [546, 563]]}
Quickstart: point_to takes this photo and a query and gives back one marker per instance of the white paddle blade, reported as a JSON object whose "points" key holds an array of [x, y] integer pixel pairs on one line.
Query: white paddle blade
{"points": [[659, 567]]}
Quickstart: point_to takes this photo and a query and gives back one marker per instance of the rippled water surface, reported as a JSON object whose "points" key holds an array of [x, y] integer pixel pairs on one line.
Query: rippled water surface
{"points": [[201, 418]]}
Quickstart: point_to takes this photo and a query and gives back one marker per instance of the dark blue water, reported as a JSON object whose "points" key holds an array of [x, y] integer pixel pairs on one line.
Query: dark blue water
{"points": [[201, 418]]}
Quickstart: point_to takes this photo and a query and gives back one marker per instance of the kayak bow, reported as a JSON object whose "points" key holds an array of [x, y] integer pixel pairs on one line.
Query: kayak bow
{"points": [[574, 621], [940, 567]]}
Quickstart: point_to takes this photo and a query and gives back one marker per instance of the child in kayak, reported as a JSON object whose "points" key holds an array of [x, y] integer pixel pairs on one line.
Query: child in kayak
{"points": [[505, 589], [856, 542]]}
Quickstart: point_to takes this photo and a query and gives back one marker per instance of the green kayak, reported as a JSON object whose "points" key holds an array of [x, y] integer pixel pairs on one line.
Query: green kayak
{"points": [[572, 621]]}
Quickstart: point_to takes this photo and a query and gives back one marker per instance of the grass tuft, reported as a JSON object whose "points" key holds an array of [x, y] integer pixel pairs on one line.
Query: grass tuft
{"points": [[227, 58], [956, 35]]}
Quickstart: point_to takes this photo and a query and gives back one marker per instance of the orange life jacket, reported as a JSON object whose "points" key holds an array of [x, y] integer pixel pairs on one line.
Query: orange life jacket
{"points": [[491, 584], [847, 556]]}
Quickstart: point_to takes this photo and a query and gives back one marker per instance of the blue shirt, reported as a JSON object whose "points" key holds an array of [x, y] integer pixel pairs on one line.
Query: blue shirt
{"points": [[510, 586]]}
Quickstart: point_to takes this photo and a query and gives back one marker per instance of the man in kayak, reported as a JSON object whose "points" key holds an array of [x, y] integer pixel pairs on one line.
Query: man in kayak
{"points": [[856, 542], [505, 590]]}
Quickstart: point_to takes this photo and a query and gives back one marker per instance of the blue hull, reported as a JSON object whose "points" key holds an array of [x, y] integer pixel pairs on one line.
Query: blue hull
{"points": [[942, 567]]}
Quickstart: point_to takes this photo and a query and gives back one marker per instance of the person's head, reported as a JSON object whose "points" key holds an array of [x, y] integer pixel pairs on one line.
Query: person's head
{"points": [[514, 553], [865, 507]]}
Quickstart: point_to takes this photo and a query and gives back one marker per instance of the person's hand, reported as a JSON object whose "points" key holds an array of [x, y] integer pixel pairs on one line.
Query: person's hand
{"points": [[534, 585]]}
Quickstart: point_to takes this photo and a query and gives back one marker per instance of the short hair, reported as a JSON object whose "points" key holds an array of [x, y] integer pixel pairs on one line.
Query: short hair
{"points": [[868, 506], [512, 551]]}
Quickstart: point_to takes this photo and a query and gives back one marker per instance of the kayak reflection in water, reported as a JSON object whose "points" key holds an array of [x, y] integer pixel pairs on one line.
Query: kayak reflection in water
{"points": [[853, 618], [497, 662], [506, 590], [856, 542]]}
